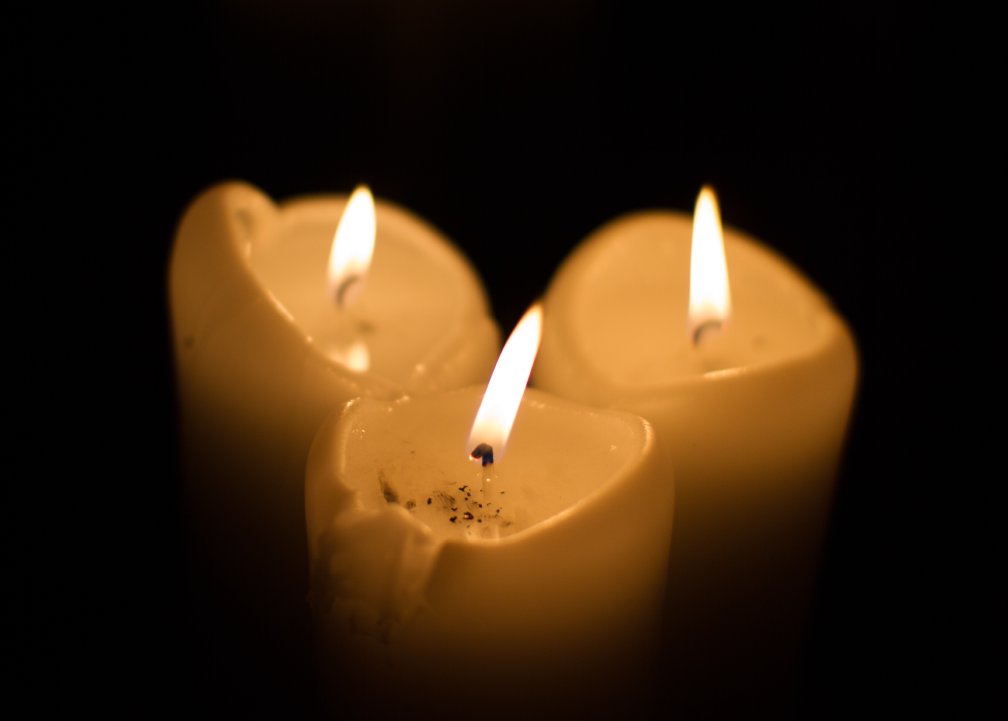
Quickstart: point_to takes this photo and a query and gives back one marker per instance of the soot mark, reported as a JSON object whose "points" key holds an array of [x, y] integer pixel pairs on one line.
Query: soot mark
{"points": [[388, 493]]}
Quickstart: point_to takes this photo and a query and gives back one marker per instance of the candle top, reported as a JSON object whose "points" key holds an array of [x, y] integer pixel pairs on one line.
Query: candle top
{"points": [[392, 505], [410, 457], [420, 293], [624, 297]]}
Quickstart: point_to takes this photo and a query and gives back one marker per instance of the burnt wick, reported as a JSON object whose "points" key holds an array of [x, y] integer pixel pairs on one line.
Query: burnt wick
{"points": [[705, 328], [344, 287], [484, 453]]}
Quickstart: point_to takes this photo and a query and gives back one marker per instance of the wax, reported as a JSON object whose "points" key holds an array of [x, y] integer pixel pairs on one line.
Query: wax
{"points": [[754, 416], [263, 353], [552, 601]]}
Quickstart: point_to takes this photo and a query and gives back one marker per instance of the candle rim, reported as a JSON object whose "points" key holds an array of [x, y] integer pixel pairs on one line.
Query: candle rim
{"points": [[557, 338], [335, 430], [386, 211], [242, 211]]}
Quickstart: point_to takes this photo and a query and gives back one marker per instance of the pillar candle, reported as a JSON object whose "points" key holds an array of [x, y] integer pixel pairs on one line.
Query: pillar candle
{"points": [[264, 351], [754, 413], [529, 585]]}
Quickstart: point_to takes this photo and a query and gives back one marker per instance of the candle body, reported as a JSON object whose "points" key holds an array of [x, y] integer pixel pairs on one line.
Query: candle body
{"points": [[754, 418], [262, 355], [420, 608]]}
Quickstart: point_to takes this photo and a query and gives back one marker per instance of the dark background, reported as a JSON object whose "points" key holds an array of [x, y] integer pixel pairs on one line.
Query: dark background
{"points": [[516, 128]]}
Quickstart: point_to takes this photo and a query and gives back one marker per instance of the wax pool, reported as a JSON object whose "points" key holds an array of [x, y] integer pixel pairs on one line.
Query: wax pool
{"points": [[262, 354], [554, 596], [754, 416]]}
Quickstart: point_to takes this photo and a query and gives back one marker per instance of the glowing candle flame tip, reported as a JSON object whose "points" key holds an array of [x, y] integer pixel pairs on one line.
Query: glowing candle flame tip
{"points": [[709, 294], [352, 247], [495, 417]]}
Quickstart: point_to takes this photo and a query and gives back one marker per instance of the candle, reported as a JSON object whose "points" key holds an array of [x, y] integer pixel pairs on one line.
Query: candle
{"points": [[748, 375], [531, 582], [272, 328]]}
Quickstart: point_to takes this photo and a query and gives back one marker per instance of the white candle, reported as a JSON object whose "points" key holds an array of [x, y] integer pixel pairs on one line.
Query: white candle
{"points": [[438, 590], [264, 351], [753, 405]]}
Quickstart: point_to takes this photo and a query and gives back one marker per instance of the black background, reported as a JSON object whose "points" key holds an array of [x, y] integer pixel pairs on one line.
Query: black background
{"points": [[516, 128]]}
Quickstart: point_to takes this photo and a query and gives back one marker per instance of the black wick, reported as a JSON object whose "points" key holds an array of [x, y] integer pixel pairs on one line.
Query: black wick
{"points": [[343, 287], [709, 325], [483, 452]]}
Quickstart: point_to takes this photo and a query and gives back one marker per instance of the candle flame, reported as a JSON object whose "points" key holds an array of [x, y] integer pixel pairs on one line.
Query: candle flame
{"points": [[709, 296], [352, 247], [503, 395]]}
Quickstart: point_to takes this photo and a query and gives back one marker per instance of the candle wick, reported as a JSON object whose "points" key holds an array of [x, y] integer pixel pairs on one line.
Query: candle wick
{"points": [[483, 453], [704, 329], [344, 287]]}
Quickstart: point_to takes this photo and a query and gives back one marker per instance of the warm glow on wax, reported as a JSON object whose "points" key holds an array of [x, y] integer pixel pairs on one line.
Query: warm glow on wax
{"points": [[353, 355], [352, 248], [507, 384], [709, 296]]}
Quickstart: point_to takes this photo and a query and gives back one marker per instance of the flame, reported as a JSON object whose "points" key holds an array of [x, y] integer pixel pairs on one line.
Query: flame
{"points": [[352, 247], [709, 296], [503, 395]]}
